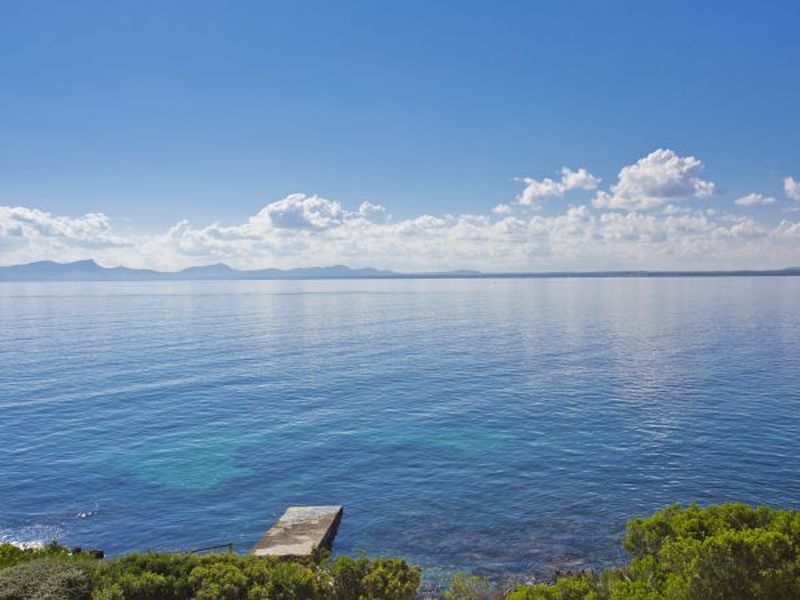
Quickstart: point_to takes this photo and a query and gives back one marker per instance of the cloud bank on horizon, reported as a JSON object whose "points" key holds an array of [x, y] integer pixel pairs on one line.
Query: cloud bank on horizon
{"points": [[652, 217]]}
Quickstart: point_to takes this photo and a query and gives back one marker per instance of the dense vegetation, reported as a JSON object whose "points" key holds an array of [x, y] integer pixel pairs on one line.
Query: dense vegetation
{"points": [[730, 552], [725, 552], [53, 574]]}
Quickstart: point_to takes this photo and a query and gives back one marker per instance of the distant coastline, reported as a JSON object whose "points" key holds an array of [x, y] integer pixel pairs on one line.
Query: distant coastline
{"points": [[89, 270]]}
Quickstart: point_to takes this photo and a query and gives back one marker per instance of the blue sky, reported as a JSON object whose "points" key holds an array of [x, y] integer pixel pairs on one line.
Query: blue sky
{"points": [[153, 113]]}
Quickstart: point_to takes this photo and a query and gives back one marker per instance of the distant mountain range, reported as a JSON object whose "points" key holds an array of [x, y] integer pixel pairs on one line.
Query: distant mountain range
{"points": [[88, 270]]}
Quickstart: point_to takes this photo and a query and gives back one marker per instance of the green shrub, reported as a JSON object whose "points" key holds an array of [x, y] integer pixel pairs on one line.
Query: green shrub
{"points": [[154, 576], [345, 578], [724, 552], [390, 579], [576, 587], [11, 555], [469, 587], [218, 581], [47, 579], [281, 580], [145, 576], [362, 578]]}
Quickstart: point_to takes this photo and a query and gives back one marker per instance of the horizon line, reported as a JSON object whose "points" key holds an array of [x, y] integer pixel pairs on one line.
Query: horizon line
{"points": [[347, 272]]}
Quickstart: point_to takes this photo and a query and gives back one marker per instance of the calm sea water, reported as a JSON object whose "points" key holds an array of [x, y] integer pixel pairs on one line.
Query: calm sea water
{"points": [[499, 426]]}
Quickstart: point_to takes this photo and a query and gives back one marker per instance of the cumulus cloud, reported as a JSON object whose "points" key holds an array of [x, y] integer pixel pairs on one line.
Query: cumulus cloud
{"points": [[310, 230], [28, 233], [92, 229], [371, 211], [792, 188], [298, 211], [537, 190], [615, 232], [660, 177], [754, 200]]}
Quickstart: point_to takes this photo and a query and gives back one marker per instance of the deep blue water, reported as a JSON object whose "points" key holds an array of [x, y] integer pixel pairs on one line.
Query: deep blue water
{"points": [[499, 426]]}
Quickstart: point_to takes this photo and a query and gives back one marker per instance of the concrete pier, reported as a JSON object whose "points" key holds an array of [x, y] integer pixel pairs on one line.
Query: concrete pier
{"points": [[301, 531]]}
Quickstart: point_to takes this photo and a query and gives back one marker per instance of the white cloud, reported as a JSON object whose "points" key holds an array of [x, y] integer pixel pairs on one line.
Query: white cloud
{"points": [[660, 177], [537, 190], [792, 188], [371, 211], [302, 230], [33, 233], [298, 211], [309, 230], [754, 200]]}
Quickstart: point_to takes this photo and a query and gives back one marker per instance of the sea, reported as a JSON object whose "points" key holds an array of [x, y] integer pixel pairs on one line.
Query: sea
{"points": [[497, 426]]}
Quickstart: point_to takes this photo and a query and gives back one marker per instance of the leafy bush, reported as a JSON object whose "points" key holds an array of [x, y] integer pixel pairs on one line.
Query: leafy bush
{"points": [[218, 580], [51, 573], [282, 580], [578, 587], [11, 555], [390, 579], [145, 576], [729, 551], [724, 552], [469, 587], [232, 577], [345, 577], [364, 579], [47, 579]]}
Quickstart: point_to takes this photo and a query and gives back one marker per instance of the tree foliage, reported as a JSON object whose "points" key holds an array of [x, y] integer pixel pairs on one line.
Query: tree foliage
{"points": [[470, 587], [47, 578], [53, 574], [723, 552]]}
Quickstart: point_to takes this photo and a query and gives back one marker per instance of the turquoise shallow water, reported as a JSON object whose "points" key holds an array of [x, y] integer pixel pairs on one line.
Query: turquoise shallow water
{"points": [[500, 426]]}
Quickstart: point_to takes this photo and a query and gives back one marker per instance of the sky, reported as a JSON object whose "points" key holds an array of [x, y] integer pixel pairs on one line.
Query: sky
{"points": [[494, 135]]}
